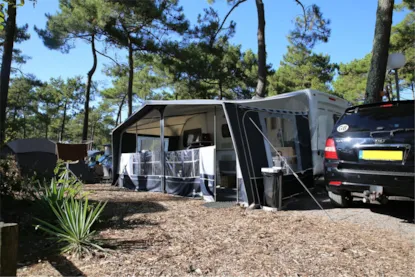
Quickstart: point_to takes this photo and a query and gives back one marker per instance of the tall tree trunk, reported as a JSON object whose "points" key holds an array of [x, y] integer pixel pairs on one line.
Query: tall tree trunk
{"points": [[120, 109], [6, 65], [63, 121], [413, 90], [14, 114], [130, 77], [262, 59], [93, 132], [220, 90], [24, 125], [88, 89], [376, 77]]}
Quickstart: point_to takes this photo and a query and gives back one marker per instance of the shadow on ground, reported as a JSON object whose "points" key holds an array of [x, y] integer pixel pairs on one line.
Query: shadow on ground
{"points": [[34, 245], [64, 266], [399, 209], [117, 244], [115, 213]]}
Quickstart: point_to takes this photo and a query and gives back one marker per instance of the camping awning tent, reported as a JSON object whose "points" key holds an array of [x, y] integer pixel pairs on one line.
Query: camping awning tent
{"points": [[167, 118], [32, 145], [34, 155]]}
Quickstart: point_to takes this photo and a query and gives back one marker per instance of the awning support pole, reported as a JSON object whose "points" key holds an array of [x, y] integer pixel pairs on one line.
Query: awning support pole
{"points": [[136, 139], [162, 154], [214, 159]]}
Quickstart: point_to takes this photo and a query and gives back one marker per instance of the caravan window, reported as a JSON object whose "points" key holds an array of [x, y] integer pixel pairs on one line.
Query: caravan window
{"points": [[190, 136], [225, 131], [336, 117], [273, 123]]}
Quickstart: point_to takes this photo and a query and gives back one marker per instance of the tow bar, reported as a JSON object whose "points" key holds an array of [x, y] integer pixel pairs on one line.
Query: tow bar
{"points": [[375, 194]]}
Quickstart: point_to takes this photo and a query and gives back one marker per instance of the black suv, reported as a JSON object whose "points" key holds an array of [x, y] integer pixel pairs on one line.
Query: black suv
{"points": [[371, 151]]}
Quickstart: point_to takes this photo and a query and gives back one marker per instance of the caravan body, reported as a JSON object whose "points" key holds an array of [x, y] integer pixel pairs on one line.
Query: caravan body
{"points": [[323, 112]]}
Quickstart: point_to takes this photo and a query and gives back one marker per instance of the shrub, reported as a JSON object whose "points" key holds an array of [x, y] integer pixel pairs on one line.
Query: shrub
{"points": [[12, 182], [75, 219]]}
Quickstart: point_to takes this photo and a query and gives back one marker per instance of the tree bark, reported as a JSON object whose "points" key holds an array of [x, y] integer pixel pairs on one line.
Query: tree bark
{"points": [[63, 121], [262, 70], [88, 89], [220, 90], [93, 131], [24, 125], [376, 77], [413, 90], [130, 77], [6, 65], [120, 109]]}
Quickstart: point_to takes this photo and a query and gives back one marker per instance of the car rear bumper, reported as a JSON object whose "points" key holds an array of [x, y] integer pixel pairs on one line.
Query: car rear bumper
{"points": [[393, 183]]}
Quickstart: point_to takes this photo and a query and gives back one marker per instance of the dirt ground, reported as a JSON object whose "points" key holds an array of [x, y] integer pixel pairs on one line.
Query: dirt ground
{"points": [[153, 234]]}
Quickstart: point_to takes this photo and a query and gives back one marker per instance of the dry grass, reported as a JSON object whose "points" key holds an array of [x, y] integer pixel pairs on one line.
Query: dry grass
{"points": [[153, 234]]}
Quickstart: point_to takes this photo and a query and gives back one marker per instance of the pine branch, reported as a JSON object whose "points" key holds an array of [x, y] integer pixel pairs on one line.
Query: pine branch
{"points": [[226, 17], [102, 54], [305, 14]]}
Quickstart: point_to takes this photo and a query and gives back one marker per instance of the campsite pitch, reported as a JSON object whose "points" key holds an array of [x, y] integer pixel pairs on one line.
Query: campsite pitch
{"points": [[153, 234]]}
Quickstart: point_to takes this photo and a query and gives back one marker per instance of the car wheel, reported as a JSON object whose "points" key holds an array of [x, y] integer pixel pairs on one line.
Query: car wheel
{"points": [[342, 200]]}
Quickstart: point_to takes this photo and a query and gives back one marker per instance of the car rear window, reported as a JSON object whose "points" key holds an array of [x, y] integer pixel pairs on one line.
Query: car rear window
{"points": [[377, 119]]}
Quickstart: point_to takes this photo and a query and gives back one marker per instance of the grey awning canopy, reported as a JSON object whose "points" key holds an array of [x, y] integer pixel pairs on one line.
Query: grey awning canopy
{"points": [[175, 117]]}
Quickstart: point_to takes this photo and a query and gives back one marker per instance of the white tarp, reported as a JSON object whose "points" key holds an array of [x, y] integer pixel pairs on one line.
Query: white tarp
{"points": [[207, 171]]}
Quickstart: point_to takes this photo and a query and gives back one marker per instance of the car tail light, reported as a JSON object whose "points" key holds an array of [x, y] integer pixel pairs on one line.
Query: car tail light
{"points": [[386, 105], [330, 150], [335, 183]]}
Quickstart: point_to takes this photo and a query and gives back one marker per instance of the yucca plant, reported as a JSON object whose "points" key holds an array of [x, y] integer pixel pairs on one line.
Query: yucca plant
{"points": [[74, 221], [56, 192]]}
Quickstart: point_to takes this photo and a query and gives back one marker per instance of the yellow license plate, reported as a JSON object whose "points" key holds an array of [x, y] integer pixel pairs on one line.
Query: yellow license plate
{"points": [[381, 155]]}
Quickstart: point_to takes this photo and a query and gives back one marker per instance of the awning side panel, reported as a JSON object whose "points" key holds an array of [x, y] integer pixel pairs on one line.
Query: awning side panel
{"points": [[250, 149]]}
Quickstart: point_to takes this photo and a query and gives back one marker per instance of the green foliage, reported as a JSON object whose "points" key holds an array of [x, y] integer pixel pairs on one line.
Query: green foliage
{"points": [[142, 23], [405, 4], [12, 182], [64, 201], [75, 218], [402, 41], [52, 110], [77, 19], [310, 28], [22, 106], [301, 69], [59, 189], [2, 14], [10, 179], [351, 82], [206, 65], [20, 36]]}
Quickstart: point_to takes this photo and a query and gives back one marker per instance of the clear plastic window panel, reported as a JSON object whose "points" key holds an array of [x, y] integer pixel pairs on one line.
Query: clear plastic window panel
{"points": [[282, 133], [184, 163], [146, 163]]}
